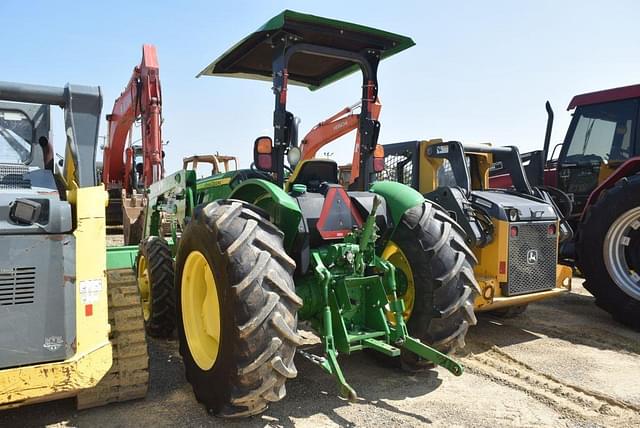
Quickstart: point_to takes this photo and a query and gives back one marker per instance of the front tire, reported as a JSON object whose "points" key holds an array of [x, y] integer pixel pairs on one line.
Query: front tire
{"points": [[237, 307], [438, 267], [608, 251], [155, 277]]}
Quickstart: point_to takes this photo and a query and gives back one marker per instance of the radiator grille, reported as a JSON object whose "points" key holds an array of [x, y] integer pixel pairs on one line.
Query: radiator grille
{"points": [[532, 259], [12, 177], [17, 286]]}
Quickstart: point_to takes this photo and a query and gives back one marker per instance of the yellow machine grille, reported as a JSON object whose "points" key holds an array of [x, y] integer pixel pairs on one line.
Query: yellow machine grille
{"points": [[532, 258]]}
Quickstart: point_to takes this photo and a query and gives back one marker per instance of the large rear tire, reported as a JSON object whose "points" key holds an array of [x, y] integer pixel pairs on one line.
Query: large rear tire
{"points": [[128, 377], [237, 309], [608, 251], [154, 267], [437, 267]]}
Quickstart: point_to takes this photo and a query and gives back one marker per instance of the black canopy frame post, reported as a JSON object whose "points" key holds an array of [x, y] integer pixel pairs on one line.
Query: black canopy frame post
{"points": [[369, 128]]}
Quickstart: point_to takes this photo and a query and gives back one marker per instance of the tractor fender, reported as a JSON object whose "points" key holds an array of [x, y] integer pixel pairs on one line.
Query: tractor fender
{"points": [[398, 197], [283, 210], [628, 168]]}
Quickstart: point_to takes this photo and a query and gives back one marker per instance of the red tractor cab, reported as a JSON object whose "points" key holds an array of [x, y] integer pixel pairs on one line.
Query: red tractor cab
{"points": [[594, 178]]}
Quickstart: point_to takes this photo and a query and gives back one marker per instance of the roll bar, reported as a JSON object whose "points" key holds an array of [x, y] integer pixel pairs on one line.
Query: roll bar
{"points": [[82, 106]]}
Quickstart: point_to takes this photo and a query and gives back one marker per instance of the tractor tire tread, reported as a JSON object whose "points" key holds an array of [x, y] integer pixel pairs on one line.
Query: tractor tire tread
{"points": [[590, 238], [160, 265], [264, 304], [447, 275]]}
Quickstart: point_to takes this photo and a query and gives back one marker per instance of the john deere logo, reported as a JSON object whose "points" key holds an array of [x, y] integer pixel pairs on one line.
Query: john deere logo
{"points": [[532, 257]]}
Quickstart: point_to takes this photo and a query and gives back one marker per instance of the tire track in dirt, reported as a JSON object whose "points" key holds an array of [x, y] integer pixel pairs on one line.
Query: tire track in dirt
{"points": [[571, 400], [593, 337]]}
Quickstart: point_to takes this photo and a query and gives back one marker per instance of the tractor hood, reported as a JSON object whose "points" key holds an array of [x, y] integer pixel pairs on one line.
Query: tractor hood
{"points": [[252, 57], [497, 203]]}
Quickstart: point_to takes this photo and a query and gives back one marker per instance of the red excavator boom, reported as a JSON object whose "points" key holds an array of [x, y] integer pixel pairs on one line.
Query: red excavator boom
{"points": [[141, 99], [335, 127]]}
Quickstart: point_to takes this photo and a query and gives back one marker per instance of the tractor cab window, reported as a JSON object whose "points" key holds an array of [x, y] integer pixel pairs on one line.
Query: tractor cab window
{"points": [[602, 132], [16, 133]]}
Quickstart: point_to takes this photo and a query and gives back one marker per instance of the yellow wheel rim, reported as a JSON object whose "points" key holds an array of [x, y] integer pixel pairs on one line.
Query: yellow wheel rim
{"points": [[200, 310], [144, 285], [404, 279]]}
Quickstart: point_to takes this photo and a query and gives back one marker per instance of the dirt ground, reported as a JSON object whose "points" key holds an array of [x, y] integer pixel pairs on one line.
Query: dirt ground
{"points": [[563, 363]]}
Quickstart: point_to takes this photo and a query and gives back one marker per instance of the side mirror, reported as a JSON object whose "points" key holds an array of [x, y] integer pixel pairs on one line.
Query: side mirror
{"points": [[262, 153], [378, 158], [294, 132]]}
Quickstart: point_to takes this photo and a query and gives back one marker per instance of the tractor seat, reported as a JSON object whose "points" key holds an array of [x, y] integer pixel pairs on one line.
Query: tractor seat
{"points": [[313, 172]]}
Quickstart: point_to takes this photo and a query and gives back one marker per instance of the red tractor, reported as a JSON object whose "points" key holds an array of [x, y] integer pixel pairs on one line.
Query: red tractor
{"points": [[594, 176]]}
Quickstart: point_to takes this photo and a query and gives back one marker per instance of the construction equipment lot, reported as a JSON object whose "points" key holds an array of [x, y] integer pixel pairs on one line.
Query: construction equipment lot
{"points": [[562, 363]]}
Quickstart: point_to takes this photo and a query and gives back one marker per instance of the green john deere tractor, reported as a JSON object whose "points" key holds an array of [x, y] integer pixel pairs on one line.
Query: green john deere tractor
{"points": [[259, 249]]}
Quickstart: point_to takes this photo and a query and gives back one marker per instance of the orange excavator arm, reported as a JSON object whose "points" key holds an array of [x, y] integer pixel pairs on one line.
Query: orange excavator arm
{"points": [[141, 99], [335, 127]]}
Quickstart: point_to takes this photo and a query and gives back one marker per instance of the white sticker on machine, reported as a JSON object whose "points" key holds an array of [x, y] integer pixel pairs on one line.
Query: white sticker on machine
{"points": [[53, 343], [90, 290]]}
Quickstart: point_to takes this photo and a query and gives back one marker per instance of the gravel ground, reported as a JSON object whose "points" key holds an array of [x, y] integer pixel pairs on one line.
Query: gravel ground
{"points": [[562, 363]]}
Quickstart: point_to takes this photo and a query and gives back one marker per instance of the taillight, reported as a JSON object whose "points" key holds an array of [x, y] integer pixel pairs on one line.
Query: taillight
{"points": [[264, 162], [378, 158], [514, 231], [263, 145], [262, 153], [503, 267], [551, 230]]}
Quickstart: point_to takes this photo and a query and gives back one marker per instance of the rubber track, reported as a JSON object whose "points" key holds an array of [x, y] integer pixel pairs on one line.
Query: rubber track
{"points": [[113, 211], [128, 377]]}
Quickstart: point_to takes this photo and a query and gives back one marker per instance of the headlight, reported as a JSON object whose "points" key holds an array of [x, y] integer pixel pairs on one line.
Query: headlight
{"points": [[293, 156], [25, 211]]}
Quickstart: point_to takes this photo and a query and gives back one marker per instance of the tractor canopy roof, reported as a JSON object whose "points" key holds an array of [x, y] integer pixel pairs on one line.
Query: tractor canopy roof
{"points": [[608, 95], [252, 57]]}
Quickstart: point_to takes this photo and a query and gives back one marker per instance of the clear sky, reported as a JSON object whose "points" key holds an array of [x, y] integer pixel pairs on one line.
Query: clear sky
{"points": [[480, 71]]}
